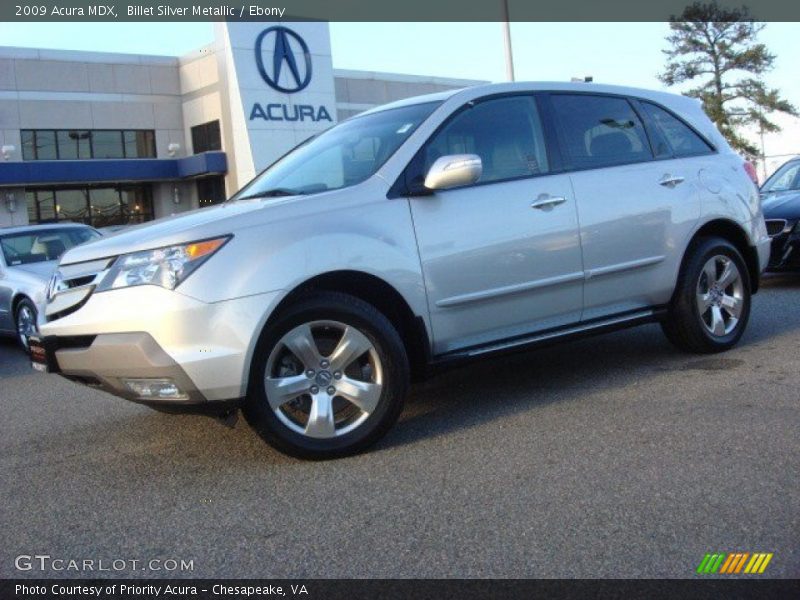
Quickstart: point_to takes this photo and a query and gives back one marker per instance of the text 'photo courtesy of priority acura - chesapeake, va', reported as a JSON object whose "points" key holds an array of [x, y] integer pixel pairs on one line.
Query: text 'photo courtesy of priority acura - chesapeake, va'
{"points": [[427, 232]]}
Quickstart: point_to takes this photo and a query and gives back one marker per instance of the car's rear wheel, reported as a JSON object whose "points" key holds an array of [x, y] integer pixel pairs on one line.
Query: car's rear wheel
{"points": [[329, 378], [25, 317], [711, 305]]}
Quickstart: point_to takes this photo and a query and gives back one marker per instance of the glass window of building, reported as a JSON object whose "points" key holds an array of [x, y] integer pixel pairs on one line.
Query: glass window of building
{"points": [[73, 205], [137, 204], [97, 206], [139, 144], [28, 144], [74, 144], [206, 137], [81, 144], [107, 144], [210, 191], [105, 207], [46, 205], [46, 145]]}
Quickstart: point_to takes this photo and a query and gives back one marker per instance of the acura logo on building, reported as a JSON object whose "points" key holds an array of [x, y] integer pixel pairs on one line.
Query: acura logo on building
{"points": [[297, 74]]}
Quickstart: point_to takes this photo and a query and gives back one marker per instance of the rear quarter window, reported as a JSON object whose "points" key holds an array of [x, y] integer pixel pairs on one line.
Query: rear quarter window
{"points": [[673, 136]]}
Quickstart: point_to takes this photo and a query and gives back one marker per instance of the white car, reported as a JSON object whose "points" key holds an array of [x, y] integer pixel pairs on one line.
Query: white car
{"points": [[436, 229]]}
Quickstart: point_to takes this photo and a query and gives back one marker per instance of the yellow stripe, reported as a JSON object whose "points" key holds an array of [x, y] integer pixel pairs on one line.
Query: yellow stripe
{"points": [[758, 562], [727, 562], [765, 563], [741, 563], [749, 566]]}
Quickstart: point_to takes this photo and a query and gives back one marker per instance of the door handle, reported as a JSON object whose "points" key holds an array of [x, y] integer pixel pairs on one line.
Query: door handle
{"points": [[545, 202], [670, 181]]}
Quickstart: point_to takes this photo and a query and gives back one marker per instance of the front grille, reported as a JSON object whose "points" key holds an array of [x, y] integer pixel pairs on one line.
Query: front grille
{"points": [[79, 281], [775, 226], [64, 291]]}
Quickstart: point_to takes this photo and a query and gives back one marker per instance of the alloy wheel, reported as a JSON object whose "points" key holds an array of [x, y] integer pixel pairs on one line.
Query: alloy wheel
{"points": [[720, 295], [323, 379], [26, 324]]}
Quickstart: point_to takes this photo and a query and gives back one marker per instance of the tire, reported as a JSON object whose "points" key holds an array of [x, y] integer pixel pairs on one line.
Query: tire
{"points": [[25, 316], [710, 308], [353, 395]]}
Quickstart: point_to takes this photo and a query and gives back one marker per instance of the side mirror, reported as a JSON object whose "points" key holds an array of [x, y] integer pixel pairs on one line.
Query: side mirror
{"points": [[454, 170]]}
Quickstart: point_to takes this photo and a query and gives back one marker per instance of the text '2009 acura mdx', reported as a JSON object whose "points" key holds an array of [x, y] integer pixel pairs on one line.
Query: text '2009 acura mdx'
{"points": [[431, 230]]}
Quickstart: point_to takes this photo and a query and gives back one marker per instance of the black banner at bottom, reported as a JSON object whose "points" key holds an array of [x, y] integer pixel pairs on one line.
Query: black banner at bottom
{"points": [[422, 589]]}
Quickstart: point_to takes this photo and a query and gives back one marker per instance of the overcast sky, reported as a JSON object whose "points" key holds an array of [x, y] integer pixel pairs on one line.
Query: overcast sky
{"points": [[619, 53]]}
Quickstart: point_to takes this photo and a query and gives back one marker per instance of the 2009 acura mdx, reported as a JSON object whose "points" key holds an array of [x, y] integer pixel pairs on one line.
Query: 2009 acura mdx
{"points": [[435, 229]]}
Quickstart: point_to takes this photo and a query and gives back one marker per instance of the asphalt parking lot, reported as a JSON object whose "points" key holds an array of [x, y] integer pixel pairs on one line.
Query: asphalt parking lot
{"points": [[615, 456]]}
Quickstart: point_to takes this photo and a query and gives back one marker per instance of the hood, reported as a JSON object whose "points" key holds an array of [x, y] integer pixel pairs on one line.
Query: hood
{"points": [[198, 224], [39, 270], [783, 205]]}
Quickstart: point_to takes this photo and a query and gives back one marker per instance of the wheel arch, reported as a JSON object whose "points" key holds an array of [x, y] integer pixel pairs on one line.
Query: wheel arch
{"points": [[19, 297], [380, 294], [732, 232]]}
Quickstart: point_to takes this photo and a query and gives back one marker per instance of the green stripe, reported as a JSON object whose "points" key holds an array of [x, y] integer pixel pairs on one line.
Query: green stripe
{"points": [[711, 562], [703, 563], [718, 564]]}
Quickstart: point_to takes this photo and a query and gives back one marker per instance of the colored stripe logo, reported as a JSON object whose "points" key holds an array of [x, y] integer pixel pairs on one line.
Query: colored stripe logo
{"points": [[734, 563]]}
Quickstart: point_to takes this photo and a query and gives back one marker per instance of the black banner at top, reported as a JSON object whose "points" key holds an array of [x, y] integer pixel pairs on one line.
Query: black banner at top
{"points": [[374, 10]]}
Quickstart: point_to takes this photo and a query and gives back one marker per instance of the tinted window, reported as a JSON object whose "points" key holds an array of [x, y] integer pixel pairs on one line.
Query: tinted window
{"points": [[506, 133], [677, 135], [599, 131], [206, 137], [210, 190]]}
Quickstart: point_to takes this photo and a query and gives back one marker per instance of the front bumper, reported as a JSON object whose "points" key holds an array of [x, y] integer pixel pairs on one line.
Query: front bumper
{"points": [[148, 332], [785, 255], [106, 361]]}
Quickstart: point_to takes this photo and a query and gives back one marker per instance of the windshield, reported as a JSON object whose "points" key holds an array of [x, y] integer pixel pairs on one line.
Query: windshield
{"points": [[344, 155], [42, 245], [785, 178]]}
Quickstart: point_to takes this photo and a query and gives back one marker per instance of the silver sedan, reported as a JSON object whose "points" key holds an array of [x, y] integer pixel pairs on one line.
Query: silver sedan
{"points": [[28, 257]]}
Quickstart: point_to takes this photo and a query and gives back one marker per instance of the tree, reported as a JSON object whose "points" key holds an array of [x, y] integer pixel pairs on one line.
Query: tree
{"points": [[719, 47]]}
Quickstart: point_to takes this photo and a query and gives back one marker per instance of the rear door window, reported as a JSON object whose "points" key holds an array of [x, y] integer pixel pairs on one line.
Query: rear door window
{"points": [[599, 131]]}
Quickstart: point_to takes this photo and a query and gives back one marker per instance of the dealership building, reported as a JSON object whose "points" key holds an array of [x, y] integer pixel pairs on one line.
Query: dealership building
{"points": [[109, 139]]}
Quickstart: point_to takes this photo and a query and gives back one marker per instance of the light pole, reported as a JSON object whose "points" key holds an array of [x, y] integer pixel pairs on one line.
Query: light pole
{"points": [[507, 43]]}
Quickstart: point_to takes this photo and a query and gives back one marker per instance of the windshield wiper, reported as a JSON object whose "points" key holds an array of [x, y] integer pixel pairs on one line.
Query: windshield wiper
{"points": [[273, 193]]}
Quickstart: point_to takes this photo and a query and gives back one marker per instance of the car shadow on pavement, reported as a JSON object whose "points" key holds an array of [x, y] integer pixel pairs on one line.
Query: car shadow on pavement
{"points": [[493, 388]]}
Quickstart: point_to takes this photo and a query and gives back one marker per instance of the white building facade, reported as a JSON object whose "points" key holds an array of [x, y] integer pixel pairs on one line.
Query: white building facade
{"points": [[110, 139]]}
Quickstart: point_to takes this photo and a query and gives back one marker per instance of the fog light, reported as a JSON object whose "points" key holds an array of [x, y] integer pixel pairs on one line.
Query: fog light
{"points": [[155, 389]]}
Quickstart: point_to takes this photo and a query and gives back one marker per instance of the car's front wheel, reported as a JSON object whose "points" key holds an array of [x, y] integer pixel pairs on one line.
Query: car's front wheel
{"points": [[329, 378], [711, 304], [25, 317]]}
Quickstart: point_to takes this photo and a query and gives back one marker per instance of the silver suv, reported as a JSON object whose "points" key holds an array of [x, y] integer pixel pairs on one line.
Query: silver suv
{"points": [[432, 230]]}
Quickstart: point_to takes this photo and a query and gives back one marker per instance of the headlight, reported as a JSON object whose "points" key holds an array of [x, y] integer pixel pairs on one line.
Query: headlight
{"points": [[166, 267]]}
